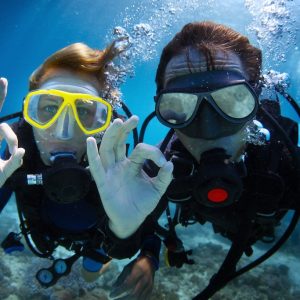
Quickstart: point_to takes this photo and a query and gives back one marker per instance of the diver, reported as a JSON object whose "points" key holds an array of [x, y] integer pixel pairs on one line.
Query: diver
{"points": [[208, 86], [68, 192]]}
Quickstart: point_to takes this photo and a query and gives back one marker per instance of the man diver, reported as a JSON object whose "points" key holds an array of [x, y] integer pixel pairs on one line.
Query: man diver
{"points": [[68, 192], [208, 84]]}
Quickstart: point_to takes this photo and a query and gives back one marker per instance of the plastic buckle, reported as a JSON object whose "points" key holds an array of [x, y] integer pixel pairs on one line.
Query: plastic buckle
{"points": [[12, 243]]}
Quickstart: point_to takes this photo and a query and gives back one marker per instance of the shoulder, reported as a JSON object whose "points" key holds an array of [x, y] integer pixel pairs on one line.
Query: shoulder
{"points": [[287, 124]]}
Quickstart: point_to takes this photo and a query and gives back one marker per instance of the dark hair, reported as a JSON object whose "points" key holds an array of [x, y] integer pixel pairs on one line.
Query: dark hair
{"points": [[209, 37]]}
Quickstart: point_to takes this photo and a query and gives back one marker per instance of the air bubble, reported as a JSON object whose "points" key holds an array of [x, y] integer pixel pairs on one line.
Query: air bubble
{"points": [[274, 26]]}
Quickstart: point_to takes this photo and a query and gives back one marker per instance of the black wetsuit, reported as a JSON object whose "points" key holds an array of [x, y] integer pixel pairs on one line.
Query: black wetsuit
{"points": [[51, 224], [270, 188]]}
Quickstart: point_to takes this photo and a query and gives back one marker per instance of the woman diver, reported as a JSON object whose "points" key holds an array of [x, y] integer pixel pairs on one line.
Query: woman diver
{"points": [[68, 192]]}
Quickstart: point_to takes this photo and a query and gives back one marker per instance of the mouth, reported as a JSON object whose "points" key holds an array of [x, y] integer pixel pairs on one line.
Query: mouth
{"points": [[53, 153], [62, 154]]}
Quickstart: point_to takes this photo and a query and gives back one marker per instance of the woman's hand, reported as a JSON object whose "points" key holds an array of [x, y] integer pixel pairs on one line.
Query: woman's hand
{"points": [[128, 194], [135, 281], [7, 167], [3, 91]]}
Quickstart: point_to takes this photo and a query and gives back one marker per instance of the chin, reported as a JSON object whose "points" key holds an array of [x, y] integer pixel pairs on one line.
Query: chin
{"points": [[233, 145]]}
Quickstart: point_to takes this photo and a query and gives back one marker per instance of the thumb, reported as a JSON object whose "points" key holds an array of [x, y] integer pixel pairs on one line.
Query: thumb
{"points": [[163, 178], [125, 272]]}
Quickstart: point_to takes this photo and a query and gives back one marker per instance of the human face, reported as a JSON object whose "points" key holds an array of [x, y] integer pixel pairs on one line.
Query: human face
{"points": [[233, 142], [64, 135]]}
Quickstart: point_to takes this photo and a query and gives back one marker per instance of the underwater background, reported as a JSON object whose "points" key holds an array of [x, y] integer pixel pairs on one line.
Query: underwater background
{"points": [[31, 30]]}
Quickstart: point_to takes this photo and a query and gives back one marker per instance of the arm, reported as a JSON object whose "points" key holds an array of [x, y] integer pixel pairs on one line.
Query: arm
{"points": [[137, 278], [129, 195]]}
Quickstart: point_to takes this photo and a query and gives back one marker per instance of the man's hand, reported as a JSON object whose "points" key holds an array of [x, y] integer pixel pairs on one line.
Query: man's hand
{"points": [[135, 281], [128, 194]]}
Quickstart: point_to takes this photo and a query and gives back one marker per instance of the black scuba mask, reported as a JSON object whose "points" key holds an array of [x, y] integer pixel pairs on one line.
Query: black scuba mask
{"points": [[207, 105]]}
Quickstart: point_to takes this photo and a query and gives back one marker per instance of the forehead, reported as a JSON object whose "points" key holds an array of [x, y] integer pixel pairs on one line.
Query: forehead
{"points": [[193, 61], [60, 78]]}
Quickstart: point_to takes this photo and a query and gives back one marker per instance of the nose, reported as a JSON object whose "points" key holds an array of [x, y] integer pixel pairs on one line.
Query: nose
{"points": [[65, 124]]}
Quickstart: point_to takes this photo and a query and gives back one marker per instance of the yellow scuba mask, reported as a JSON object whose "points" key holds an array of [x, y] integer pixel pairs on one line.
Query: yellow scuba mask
{"points": [[43, 107]]}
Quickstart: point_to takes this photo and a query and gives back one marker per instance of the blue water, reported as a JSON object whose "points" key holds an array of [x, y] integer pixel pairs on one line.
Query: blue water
{"points": [[30, 30]]}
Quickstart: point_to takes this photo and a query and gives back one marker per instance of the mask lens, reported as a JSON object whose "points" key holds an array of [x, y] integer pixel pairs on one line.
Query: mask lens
{"points": [[235, 101], [92, 114], [177, 108], [43, 107]]}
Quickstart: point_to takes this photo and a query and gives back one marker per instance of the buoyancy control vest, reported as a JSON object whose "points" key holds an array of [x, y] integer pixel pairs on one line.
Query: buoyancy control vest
{"points": [[268, 184], [270, 187], [51, 224], [80, 226]]}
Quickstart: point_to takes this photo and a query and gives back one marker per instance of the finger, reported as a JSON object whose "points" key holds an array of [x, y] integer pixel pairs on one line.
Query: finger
{"points": [[127, 127], [3, 91], [142, 152], [108, 143], [146, 292], [163, 178], [119, 281], [95, 163], [127, 269], [126, 287], [128, 296], [120, 292], [14, 162], [140, 288], [8, 134]]}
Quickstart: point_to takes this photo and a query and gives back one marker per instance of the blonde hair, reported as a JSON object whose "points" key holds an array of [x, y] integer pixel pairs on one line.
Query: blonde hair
{"points": [[77, 57]]}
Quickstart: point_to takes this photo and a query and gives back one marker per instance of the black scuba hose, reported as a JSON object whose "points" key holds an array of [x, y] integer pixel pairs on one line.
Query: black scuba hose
{"points": [[209, 292], [11, 116], [144, 126], [290, 99], [291, 147], [28, 242], [135, 132], [271, 251], [166, 140]]}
